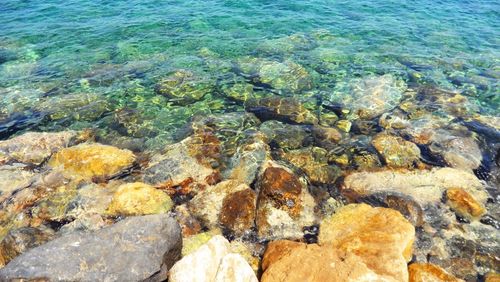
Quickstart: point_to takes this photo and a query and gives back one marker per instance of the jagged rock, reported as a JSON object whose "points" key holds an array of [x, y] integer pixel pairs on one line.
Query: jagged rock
{"points": [[88, 161], [134, 249], [424, 186], [396, 151], [238, 212], [34, 147], [381, 237], [284, 206], [317, 263], [212, 262], [184, 87], [427, 272], [22, 239], [139, 199], [279, 108]]}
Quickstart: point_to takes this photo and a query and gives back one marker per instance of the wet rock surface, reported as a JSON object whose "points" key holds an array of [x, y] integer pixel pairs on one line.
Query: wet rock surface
{"points": [[136, 248]]}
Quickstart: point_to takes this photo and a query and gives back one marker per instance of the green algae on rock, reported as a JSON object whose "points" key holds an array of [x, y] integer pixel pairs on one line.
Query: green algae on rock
{"points": [[139, 199]]}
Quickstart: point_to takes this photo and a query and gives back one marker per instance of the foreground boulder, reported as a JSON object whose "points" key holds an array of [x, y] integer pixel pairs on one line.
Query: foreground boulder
{"points": [[88, 161], [381, 237], [296, 262], [134, 249], [212, 262]]}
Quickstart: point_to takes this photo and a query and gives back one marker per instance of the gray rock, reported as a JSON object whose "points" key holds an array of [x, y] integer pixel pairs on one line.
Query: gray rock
{"points": [[134, 249]]}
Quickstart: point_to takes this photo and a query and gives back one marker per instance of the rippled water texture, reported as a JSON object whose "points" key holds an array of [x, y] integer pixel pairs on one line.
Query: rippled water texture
{"points": [[81, 63]]}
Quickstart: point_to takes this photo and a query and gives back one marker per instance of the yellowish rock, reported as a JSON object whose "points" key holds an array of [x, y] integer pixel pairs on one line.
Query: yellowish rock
{"points": [[139, 199], [381, 237], [492, 277], [464, 204], [193, 242], [344, 125], [88, 161], [427, 272]]}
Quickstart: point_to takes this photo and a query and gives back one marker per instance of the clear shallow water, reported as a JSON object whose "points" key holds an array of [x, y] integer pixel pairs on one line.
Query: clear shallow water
{"points": [[78, 64]]}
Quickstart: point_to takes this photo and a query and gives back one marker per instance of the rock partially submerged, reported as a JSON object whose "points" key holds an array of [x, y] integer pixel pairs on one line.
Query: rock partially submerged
{"points": [[134, 249], [280, 108], [34, 147]]}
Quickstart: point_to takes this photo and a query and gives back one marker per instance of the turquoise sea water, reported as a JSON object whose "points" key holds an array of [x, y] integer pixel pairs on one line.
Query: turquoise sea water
{"points": [[81, 63]]}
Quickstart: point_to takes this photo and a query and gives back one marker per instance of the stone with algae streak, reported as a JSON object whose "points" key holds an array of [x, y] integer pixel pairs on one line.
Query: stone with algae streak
{"points": [[464, 204], [381, 237], [88, 161], [139, 199], [396, 151], [428, 272]]}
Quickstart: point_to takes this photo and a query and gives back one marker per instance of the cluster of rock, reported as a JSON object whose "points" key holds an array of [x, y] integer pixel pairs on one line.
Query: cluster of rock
{"points": [[373, 184]]}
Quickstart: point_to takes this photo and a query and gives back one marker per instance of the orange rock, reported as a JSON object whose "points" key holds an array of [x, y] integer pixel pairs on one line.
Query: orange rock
{"points": [[87, 161], [464, 204], [282, 188], [238, 211], [296, 262], [381, 237], [427, 272], [492, 277]]}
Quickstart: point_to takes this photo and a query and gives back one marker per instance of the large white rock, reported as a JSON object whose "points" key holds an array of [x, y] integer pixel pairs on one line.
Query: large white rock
{"points": [[212, 262]]}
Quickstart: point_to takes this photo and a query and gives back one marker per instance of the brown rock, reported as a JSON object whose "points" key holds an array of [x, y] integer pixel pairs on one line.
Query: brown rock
{"points": [[427, 272], [464, 204], [313, 161], [492, 277], [381, 237], [238, 211], [20, 240], [89, 161], [291, 261], [282, 188], [396, 151]]}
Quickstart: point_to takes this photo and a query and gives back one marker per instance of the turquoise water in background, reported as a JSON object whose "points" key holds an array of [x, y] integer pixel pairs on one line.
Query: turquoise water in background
{"points": [[79, 64]]}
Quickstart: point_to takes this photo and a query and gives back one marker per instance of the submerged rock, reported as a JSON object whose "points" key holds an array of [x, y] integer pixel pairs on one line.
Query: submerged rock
{"points": [[34, 147], [134, 249], [139, 199], [183, 163], [457, 151], [286, 136], [245, 164], [184, 87], [284, 109], [213, 261], [369, 97], [381, 237], [396, 151], [284, 206], [89, 161], [314, 162], [464, 204], [285, 76]]}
